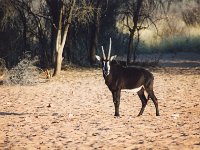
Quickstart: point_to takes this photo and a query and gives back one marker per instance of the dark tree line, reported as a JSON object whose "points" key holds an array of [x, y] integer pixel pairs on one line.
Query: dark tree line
{"points": [[72, 30]]}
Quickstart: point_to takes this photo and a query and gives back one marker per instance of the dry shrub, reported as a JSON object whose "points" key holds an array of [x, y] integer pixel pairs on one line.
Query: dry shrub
{"points": [[2, 67], [151, 61], [3, 70], [25, 73], [192, 16], [172, 28]]}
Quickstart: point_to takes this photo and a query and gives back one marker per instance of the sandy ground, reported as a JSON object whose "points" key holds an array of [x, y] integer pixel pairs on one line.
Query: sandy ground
{"points": [[76, 112]]}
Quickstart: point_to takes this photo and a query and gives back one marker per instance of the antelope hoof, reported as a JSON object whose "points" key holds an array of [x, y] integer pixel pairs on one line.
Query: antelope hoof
{"points": [[157, 114], [117, 116]]}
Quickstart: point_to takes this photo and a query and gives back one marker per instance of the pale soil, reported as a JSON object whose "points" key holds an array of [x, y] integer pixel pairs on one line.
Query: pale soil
{"points": [[76, 112]]}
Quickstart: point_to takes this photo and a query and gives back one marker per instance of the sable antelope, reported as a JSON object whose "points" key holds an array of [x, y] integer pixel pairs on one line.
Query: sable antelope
{"points": [[118, 78]]}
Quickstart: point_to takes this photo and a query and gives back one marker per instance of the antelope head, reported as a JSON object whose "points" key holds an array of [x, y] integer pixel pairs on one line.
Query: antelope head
{"points": [[105, 61]]}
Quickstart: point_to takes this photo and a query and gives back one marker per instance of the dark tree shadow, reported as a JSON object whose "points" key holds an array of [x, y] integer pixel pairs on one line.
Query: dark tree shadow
{"points": [[11, 113]]}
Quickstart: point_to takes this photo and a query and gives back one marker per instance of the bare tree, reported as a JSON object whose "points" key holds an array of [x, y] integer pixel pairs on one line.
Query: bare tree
{"points": [[27, 17], [138, 15], [62, 26], [18, 7], [63, 13], [104, 23], [95, 31], [191, 16]]}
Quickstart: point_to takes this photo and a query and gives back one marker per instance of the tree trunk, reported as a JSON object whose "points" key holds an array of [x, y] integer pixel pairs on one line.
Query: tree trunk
{"points": [[68, 48], [24, 37], [53, 46], [136, 45], [94, 39], [54, 7], [24, 21], [61, 38], [43, 49], [58, 64], [60, 43], [93, 46], [130, 48], [132, 31]]}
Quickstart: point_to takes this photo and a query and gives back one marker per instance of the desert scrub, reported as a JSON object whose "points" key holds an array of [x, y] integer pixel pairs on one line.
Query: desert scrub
{"points": [[24, 73], [3, 68]]}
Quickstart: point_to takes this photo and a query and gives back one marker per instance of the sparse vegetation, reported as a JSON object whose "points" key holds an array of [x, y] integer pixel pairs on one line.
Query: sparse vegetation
{"points": [[179, 44], [173, 44], [74, 110], [2, 67], [25, 72], [79, 28]]}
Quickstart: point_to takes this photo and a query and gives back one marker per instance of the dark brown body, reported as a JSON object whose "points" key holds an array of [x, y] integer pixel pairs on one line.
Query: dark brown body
{"points": [[130, 78]]}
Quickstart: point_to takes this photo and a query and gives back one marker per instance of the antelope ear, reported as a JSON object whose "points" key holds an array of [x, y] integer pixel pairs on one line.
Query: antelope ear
{"points": [[98, 57], [113, 57]]}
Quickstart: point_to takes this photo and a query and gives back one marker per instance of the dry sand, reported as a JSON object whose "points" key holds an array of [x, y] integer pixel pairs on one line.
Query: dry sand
{"points": [[76, 112]]}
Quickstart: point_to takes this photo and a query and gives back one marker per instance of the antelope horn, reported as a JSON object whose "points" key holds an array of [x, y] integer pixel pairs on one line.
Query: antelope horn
{"points": [[104, 56], [109, 49]]}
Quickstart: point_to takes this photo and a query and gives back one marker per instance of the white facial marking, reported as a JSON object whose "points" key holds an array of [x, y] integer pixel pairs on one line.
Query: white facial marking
{"points": [[108, 66], [133, 90]]}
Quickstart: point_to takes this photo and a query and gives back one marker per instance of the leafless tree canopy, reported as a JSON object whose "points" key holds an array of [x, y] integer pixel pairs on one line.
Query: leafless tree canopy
{"points": [[72, 31], [192, 16]]}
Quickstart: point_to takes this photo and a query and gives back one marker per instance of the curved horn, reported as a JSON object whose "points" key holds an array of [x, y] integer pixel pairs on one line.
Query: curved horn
{"points": [[109, 49], [104, 56]]}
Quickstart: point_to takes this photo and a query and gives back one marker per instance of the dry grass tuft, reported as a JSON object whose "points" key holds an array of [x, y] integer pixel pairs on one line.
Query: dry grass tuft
{"points": [[25, 73]]}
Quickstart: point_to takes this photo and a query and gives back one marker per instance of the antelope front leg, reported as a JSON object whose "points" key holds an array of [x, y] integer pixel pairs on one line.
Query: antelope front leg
{"points": [[116, 101]]}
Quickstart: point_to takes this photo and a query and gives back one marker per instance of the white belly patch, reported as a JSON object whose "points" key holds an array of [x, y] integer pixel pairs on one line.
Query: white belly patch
{"points": [[133, 90]]}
